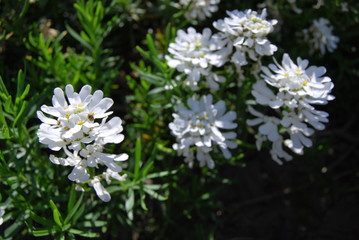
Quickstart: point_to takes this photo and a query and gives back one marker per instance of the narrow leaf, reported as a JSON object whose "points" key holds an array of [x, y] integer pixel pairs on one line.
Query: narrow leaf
{"points": [[138, 157], [56, 214]]}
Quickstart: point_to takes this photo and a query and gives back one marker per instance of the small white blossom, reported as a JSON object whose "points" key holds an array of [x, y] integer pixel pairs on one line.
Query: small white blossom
{"points": [[99, 189], [198, 9], [73, 126], [112, 174], [247, 31], [319, 36], [305, 84], [290, 89], [195, 54], [2, 213], [200, 126]]}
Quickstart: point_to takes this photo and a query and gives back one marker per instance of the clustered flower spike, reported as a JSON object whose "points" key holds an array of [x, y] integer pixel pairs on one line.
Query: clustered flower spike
{"points": [[247, 32], [200, 127], [80, 128], [319, 36], [195, 54], [198, 9], [290, 89]]}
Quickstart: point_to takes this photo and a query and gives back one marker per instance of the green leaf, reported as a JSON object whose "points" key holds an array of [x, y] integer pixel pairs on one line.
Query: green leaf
{"points": [[161, 174], [142, 198], [138, 157], [60, 237], [78, 213], [24, 9], [20, 84], [40, 220], [72, 210], [19, 114], [25, 92], [44, 47], [151, 45], [42, 232], [157, 186], [56, 214], [152, 78], [4, 130], [76, 36], [130, 202], [13, 229], [3, 88], [72, 198], [83, 233], [154, 194], [149, 163]]}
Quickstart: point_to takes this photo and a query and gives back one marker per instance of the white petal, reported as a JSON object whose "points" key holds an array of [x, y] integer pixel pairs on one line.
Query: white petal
{"points": [[102, 107], [58, 100], [45, 119], [101, 191], [121, 157], [85, 92], [79, 173]]}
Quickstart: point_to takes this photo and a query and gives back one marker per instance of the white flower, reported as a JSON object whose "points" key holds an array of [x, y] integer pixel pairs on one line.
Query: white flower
{"points": [[74, 127], [111, 174], [269, 127], [198, 9], [199, 126], [195, 54], [109, 132], [2, 213], [277, 152], [302, 82], [290, 89], [100, 190], [319, 36], [247, 31]]}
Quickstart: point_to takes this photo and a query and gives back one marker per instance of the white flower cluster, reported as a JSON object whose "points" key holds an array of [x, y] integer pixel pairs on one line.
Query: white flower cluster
{"points": [[198, 9], [290, 90], [198, 129], [2, 213], [195, 54], [319, 36], [247, 31], [74, 129]]}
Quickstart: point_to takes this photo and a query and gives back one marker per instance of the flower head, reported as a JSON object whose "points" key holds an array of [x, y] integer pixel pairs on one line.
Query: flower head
{"points": [[320, 37], [73, 126], [198, 9], [247, 31], [290, 89], [201, 126], [303, 83], [195, 54]]}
